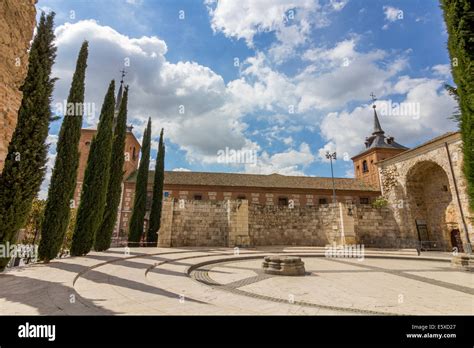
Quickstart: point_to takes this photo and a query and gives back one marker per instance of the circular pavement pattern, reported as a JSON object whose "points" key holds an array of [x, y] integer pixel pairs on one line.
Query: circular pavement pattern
{"points": [[202, 281]]}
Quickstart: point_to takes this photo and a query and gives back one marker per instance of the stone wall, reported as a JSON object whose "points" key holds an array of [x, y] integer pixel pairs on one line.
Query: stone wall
{"points": [[420, 185], [281, 225], [237, 223], [377, 227], [195, 223], [16, 30]]}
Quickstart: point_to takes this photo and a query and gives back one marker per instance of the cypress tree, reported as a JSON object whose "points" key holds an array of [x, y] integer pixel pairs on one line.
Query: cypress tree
{"points": [[96, 177], [63, 179], [27, 152], [139, 205], [459, 18], [104, 233], [155, 214]]}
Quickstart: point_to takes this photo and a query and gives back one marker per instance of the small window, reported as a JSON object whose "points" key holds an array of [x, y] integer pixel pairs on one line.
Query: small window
{"points": [[445, 188], [365, 167], [88, 143], [134, 155], [358, 168], [364, 200], [198, 197], [166, 194], [241, 197], [323, 201], [282, 201]]}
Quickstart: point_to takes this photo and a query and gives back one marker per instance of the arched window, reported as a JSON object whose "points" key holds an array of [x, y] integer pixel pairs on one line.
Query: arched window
{"points": [[365, 167], [134, 155]]}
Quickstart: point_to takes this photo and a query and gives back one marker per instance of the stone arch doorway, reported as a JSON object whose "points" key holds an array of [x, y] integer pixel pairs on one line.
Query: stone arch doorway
{"points": [[430, 205]]}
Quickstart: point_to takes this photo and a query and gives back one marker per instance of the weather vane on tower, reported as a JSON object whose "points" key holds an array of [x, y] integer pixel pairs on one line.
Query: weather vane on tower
{"points": [[123, 74], [373, 99]]}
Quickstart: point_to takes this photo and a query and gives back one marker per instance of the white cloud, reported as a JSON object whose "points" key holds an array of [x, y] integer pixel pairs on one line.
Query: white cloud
{"points": [[442, 70], [341, 74], [43, 192], [186, 98], [291, 21], [181, 170], [392, 13], [290, 162], [346, 131]]}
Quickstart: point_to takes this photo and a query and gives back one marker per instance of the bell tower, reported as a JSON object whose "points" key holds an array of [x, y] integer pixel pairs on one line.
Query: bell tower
{"points": [[377, 148]]}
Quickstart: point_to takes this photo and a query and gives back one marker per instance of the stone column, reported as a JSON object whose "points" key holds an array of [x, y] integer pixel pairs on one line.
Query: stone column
{"points": [[347, 223], [164, 234], [238, 224]]}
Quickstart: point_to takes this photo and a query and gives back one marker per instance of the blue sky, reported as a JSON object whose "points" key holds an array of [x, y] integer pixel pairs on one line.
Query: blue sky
{"points": [[301, 86]]}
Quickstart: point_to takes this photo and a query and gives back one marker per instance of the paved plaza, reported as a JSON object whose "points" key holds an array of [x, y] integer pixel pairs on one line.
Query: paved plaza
{"points": [[224, 281]]}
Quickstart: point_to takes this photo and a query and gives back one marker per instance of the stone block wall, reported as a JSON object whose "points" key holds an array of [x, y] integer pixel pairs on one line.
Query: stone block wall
{"points": [[377, 227], [237, 223], [281, 225], [16, 31], [194, 223]]}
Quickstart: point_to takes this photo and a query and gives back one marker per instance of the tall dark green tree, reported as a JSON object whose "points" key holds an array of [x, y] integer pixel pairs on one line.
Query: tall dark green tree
{"points": [[139, 205], [104, 233], [27, 152], [157, 203], [96, 179], [459, 18], [63, 179]]}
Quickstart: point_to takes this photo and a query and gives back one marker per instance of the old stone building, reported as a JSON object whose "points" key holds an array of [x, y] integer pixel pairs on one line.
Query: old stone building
{"points": [[265, 190], [16, 31], [424, 187], [426, 190]]}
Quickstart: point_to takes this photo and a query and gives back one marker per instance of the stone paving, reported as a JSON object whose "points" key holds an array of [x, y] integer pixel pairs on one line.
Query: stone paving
{"points": [[202, 281]]}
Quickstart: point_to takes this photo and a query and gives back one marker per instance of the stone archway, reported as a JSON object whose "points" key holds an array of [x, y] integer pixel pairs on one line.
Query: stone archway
{"points": [[431, 206]]}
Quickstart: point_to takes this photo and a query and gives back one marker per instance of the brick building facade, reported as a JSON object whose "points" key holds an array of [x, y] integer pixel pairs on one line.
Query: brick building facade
{"points": [[447, 225]]}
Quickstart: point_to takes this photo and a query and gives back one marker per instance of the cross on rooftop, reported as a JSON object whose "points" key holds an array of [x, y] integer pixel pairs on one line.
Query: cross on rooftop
{"points": [[123, 74]]}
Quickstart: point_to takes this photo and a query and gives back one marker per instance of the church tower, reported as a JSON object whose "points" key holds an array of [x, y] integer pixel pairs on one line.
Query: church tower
{"points": [[377, 148]]}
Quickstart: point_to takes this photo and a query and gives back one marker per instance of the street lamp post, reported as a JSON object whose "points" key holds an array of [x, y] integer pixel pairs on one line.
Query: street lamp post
{"points": [[330, 157]]}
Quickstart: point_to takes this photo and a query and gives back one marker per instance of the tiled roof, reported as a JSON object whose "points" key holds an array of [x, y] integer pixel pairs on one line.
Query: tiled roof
{"points": [[258, 180]]}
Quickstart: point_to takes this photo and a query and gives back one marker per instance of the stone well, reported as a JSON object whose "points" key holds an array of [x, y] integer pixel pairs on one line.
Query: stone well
{"points": [[283, 265]]}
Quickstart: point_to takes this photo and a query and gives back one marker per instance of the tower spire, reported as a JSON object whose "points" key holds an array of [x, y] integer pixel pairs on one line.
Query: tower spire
{"points": [[120, 91], [377, 128]]}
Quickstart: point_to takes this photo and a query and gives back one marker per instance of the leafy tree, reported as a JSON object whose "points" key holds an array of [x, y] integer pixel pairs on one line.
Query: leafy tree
{"points": [[139, 205], [63, 179], [104, 234], [155, 214], [25, 163], [32, 228], [67, 241], [96, 178], [459, 18]]}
